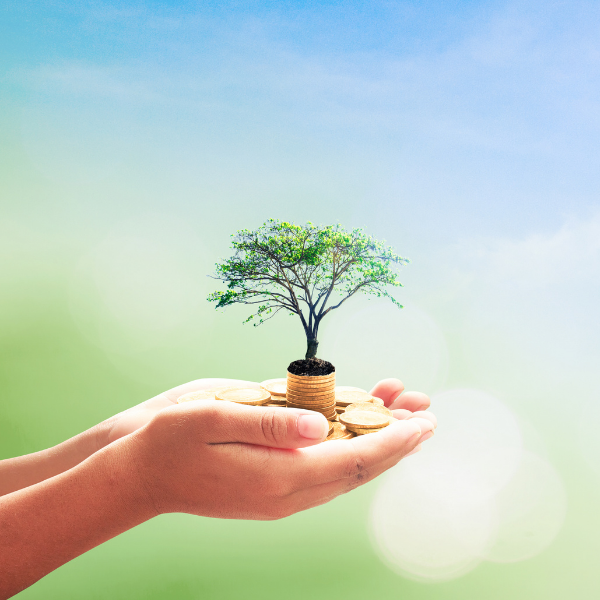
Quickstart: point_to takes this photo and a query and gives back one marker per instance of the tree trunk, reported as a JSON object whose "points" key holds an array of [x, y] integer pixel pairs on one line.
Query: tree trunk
{"points": [[311, 347]]}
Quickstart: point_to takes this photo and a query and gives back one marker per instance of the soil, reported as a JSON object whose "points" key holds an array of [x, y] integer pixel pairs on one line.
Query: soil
{"points": [[311, 366]]}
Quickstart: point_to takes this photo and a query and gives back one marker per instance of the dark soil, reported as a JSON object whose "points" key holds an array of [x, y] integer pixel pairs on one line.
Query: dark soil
{"points": [[311, 366]]}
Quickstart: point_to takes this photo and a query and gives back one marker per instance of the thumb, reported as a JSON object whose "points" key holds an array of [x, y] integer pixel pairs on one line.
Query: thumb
{"points": [[264, 426]]}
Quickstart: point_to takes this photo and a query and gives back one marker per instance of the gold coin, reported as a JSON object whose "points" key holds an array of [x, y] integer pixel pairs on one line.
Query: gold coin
{"points": [[331, 428], [303, 400], [325, 414], [199, 395], [310, 392], [328, 407], [347, 388], [310, 378], [276, 387], [311, 396], [376, 401], [366, 431], [242, 395], [338, 431], [364, 419], [352, 396], [321, 409], [363, 430], [311, 389], [369, 406]]}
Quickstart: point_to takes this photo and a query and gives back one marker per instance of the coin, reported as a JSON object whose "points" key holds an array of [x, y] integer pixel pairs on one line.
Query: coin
{"points": [[364, 419], [278, 400], [365, 431], [276, 387], [369, 406], [244, 395], [304, 400], [378, 401], [311, 378], [311, 392], [319, 407], [339, 432], [345, 398], [199, 395], [322, 389]]}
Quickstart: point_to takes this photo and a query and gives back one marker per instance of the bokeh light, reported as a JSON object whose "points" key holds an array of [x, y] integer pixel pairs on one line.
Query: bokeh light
{"points": [[472, 494]]}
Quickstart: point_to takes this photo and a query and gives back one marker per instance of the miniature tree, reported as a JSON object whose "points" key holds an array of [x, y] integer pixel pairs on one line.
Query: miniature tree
{"points": [[306, 270]]}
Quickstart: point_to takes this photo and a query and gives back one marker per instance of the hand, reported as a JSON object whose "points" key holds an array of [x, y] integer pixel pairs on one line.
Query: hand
{"points": [[133, 418], [405, 405], [221, 459]]}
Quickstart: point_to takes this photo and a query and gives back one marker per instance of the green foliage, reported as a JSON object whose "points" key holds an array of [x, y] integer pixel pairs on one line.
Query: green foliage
{"points": [[304, 269]]}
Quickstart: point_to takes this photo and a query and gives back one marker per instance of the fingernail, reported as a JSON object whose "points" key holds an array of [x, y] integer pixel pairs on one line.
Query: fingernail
{"points": [[417, 434], [426, 436], [312, 427]]}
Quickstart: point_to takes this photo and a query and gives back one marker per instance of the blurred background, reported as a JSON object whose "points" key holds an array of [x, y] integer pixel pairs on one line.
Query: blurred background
{"points": [[135, 137]]}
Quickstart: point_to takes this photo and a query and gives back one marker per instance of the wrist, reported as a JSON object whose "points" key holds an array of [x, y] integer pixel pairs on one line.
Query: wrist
{"points": [[130, 472]]}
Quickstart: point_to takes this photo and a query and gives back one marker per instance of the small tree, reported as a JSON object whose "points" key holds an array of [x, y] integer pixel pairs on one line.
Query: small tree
{"points": [[306, 270]]}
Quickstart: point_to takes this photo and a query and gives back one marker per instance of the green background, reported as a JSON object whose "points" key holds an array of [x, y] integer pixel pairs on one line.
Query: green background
{"points": [[136, 137]]}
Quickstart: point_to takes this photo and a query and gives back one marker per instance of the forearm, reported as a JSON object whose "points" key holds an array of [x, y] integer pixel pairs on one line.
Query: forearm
{"points": [[47, 524], [23, 471]]}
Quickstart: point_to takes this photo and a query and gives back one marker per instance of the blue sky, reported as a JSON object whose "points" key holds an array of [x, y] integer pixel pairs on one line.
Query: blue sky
{"points": [[476, 115]]}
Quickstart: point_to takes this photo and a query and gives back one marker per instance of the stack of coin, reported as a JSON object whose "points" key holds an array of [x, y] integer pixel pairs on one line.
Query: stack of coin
{"points": [[277, 388], [312, 393], [364, 421]]}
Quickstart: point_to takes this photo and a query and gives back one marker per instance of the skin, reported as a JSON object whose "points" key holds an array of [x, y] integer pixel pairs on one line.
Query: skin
{"points": [[207, 458]]}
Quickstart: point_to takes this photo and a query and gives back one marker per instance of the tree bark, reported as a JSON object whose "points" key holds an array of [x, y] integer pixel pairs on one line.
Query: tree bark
{"points": [[311, 347]]}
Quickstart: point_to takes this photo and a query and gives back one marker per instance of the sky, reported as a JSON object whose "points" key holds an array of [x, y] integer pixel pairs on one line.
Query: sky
{"points": [[475, 116]]}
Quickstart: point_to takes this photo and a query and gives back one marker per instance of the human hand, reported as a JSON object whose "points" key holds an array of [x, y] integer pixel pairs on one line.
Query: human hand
{"points": [[221, 459], [407, 405]]}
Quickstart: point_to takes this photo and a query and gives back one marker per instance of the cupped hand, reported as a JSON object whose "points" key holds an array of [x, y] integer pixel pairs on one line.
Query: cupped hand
{"points": [[404, 405], [222, 459]]}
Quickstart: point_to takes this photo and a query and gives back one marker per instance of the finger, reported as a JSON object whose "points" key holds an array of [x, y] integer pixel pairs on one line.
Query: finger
{"points": [[388, 390], [203, 384], [416, 449], [324, 492], [412, 401], [401, 414], [227, 422], [422, 414], [342, 459]]}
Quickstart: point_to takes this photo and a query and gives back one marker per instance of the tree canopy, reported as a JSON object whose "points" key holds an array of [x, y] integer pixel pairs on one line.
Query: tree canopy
{"points": [[305, 270]]}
